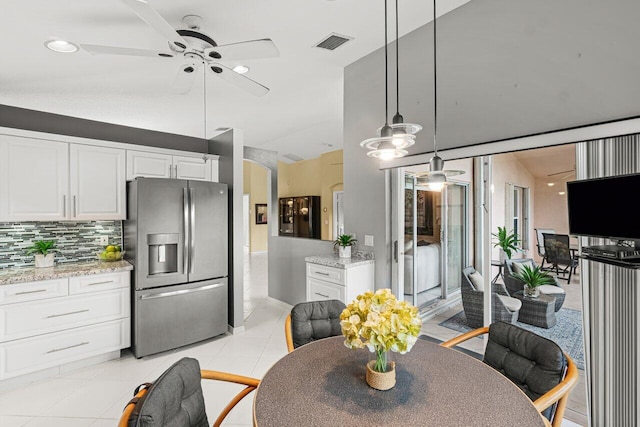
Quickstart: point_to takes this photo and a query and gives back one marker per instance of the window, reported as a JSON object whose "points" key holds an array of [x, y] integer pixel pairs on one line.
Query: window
{"points": [[517, 215]]}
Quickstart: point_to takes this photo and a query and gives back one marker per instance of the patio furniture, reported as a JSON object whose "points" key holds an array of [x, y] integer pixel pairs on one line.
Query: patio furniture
{"points": [[310, 321], [503, 307], [535, 364], [513, 284], [540, 244], [539, 311], [176, 398], [559, 254], [322, 384]]}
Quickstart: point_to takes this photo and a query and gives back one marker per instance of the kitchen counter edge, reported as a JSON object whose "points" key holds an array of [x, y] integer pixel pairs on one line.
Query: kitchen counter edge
{"points": [[336, 261], [72, 269]]}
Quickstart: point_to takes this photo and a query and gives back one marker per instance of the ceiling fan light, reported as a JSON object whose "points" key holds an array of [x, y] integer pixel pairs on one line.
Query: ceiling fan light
{"points": [[241, 69], [61, 46]]}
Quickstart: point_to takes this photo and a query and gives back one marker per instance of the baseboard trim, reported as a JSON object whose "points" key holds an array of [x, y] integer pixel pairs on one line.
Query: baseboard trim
{"points": [[234, 331], [280, 303]]}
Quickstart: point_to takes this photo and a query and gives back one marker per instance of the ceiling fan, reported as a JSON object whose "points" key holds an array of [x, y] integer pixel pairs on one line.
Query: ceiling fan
{"points": [[563, 174], [195, 49]]}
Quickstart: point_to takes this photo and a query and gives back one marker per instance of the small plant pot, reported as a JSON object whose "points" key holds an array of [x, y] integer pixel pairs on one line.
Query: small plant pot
{"points": [[531, 292], [44, 260], [381, 380], [344, 251]]}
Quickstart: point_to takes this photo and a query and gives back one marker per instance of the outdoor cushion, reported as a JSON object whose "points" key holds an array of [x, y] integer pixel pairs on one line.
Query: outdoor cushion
{"points": [[315, 320], [477, 281], [550, 289], [519, 266], [513, 304]]}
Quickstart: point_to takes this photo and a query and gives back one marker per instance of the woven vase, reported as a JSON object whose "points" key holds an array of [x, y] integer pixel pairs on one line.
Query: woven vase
{"points": [[381, 380]]}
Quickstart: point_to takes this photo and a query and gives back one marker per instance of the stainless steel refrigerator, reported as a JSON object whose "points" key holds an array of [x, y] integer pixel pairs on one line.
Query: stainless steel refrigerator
{"points": [[176, 238]]}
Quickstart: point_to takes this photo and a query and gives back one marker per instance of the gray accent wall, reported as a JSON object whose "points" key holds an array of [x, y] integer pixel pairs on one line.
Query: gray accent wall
{"points": [[229, 146]]}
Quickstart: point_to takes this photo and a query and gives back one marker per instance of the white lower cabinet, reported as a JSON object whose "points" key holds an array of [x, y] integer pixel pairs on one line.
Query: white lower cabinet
{"points": [[49, 323], [344, 284]]}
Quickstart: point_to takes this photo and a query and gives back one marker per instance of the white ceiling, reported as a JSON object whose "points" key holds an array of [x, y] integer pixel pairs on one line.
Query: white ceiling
{"points": [[302, 114]]}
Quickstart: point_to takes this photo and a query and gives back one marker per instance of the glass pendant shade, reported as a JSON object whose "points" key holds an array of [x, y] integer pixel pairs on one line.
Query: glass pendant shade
{"points": [[388, 146], [436, 178]]}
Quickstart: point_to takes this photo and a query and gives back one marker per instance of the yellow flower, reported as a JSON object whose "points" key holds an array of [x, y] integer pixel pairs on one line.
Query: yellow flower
{"points": [[380, 322]]}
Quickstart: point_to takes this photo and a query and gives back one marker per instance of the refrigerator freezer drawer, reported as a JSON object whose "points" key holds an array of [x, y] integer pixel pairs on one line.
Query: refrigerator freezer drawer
{"points": [[173, 316]]}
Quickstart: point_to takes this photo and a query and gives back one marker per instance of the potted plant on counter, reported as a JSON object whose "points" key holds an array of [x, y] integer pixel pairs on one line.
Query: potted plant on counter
{"points": [[344, 243], [507, 242], [44, 250]]}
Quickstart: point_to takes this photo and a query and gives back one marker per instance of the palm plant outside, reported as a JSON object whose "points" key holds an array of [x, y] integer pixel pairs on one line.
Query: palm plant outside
{"points": [[534, 277], [508, 242]]}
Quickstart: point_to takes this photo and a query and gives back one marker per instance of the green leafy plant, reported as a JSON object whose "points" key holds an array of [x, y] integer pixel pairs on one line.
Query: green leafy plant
{"points": [[344, 240], [42, 247], [506, 241], [534, 277]]}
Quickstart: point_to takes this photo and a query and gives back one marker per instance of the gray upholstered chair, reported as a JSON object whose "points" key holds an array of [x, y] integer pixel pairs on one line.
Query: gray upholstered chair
{"points": [[310, 321], [513, 284], [176, 398], [503, 307], [533, 363]]}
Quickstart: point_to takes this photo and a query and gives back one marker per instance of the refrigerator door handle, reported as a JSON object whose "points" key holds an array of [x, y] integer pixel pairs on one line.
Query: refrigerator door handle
{"points": [[192, 248], [180, 292], [185, 220]]}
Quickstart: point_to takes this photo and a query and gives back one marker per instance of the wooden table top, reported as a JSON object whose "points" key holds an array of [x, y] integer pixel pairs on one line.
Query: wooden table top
{"points": [[323, 384]]}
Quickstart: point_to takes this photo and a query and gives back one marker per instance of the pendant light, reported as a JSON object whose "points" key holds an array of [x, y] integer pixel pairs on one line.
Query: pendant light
{"points": [[436, 178], [387, 146], [398, 125]]}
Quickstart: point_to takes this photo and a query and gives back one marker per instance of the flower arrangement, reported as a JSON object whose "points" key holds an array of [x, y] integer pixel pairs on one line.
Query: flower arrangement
{"points": [[381, 323]]}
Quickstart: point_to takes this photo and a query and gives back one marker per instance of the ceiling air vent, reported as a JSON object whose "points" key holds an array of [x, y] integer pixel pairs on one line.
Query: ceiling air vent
{"points": [[333, 41], [292, 157]]}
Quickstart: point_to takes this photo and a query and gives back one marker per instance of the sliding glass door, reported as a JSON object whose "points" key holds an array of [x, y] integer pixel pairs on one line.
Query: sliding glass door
{"points": [[455, 235]]}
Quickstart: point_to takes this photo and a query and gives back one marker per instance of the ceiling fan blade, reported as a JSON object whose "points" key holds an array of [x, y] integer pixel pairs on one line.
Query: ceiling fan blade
{"points": [[562, 172], [252, 49], [184, 79], [157, 22], [112, 50], [239, 80]]}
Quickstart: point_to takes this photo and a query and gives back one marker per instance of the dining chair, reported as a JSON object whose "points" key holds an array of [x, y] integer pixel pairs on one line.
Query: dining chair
{"points": [[176, 398], [513, 284], [314, 320], [536, 365], [540, 243]]}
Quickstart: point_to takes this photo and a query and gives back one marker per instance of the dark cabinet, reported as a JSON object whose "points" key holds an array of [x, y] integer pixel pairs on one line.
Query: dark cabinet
{"points": [[300, 216]]}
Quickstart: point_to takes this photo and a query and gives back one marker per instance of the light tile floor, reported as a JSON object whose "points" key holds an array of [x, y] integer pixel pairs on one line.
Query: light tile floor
{"points": [[95, 396]]}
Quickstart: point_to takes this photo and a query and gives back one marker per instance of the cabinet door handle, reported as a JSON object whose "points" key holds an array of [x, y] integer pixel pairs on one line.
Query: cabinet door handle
{"points": [[170, 173], [322, 295], [100, 283], [30, 292], [54, 350], [321, 273], [67, 314], [175, 168]]}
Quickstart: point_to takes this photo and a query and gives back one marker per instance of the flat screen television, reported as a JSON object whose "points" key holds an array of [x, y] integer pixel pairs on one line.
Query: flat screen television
{"points": [[605, 207]]}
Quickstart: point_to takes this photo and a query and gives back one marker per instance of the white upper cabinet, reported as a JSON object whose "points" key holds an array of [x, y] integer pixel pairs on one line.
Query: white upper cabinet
{"points": [[97, 182], [148, 165], [194, 168], [34, 179], [159, 165]]}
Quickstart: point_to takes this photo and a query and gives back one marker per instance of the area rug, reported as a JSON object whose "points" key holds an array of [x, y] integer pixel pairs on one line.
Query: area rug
{"points": [[567, 332]]}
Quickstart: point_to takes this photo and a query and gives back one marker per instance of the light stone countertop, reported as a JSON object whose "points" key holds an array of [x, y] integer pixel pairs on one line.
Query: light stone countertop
{"points": [[333, 260], [71, 269]]}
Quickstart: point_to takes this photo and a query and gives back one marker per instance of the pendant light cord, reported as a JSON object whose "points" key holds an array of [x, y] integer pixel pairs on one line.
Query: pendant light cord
{"points": [[435, 85], [386, 71], [397, 65]]}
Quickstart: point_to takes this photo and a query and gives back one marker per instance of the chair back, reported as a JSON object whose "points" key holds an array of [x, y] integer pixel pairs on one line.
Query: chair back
{"points": [[533, 363], [311, 321], [174, 399], [540, 238]]}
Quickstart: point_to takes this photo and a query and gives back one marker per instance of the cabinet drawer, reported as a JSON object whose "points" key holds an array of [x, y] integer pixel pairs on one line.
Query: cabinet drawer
{"points": [[32, 354], [32, 291], [330, 274], [40, 317], [99, 282], [319, 290]]}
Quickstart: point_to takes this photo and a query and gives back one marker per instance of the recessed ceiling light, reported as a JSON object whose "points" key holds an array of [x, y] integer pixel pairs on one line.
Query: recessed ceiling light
{"points": [[550, 184], [61, 46], [561, 193], [240, 69]]}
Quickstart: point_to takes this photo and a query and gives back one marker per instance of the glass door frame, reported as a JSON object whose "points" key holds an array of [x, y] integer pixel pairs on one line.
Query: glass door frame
{"points": [[444, 244]]}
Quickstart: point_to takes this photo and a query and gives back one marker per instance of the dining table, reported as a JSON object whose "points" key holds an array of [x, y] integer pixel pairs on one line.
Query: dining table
{"points": [[323, 384]]}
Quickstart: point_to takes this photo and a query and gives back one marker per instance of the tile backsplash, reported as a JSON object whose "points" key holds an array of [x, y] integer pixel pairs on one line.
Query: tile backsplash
{"points": [[75, 241]]}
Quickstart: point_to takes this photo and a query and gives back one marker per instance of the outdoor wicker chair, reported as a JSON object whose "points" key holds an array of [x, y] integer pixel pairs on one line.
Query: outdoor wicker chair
{"points": [[513, 284]]}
